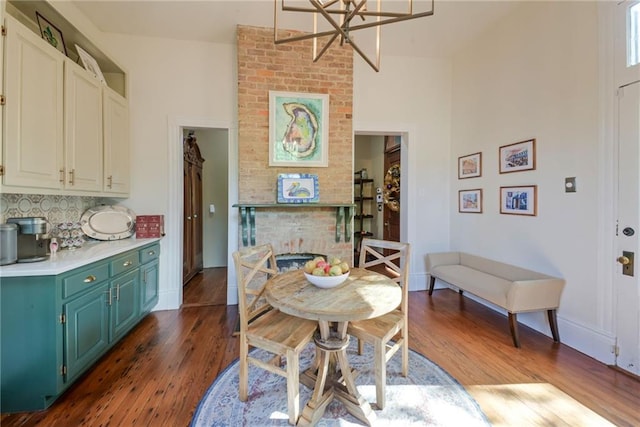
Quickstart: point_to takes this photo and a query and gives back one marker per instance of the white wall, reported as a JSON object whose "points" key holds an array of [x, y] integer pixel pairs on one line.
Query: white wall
{"points": [[535, 75], [413, 96], [171, 82]]}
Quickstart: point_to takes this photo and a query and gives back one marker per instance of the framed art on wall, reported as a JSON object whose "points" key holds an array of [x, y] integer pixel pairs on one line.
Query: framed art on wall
{"points": [[298, 129], [51, 33], [518, 157], [520, 200], [470, 201], [470, 166], [297, 188], [90, 64]]}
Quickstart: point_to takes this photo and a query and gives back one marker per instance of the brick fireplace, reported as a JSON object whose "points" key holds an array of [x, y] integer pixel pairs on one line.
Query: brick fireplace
{"points": [[264, 66]]}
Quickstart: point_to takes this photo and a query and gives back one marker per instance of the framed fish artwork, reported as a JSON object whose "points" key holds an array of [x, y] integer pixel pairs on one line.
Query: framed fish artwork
{"points": [[298, 129], [298, 188]]}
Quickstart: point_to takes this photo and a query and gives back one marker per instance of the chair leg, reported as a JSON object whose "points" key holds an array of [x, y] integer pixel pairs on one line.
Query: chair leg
{"points": [[244, 370], [381, 373], [405, 353], [293, 388], [360, 346], [513, 324], [553, 323]]}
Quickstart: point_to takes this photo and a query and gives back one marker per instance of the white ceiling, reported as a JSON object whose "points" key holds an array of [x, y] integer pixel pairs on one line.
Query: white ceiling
{"points": [[453, 24]]}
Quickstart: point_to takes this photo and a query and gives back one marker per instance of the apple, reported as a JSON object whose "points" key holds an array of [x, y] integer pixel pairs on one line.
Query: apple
{"points": [[344, 267], [309, 266], [335, 270], [318, 272], [335, 261]]}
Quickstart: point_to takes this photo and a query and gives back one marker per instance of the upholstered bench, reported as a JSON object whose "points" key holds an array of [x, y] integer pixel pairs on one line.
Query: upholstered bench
{"points": [[515, 289]]}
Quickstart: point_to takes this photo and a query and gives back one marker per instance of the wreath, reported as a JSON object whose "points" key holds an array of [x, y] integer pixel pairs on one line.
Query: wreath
{"points": [[391, 194]]}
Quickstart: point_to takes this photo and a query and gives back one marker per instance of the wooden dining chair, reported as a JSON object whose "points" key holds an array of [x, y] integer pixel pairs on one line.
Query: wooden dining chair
{"points": [[267, 328], [389, 332]]}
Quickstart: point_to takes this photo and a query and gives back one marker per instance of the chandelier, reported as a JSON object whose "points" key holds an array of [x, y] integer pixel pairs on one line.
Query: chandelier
{"points": [[340, 15]]}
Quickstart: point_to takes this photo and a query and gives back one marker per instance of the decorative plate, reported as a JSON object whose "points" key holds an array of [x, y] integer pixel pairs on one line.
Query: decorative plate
{"points": [[108, 222]]}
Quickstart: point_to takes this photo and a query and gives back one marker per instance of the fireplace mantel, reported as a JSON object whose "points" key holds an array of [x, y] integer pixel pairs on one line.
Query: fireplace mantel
{"points": [[344, 214]]}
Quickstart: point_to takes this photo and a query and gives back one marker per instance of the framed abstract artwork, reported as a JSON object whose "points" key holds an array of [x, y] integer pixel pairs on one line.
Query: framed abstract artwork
{"points": [[520, 200], [470, 201], [470, 166], [297, 188], [518, 157], [298, 129]]}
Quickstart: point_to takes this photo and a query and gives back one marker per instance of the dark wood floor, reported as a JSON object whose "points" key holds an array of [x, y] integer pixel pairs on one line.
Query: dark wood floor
{"points": [[158, 373], [206, 288]]}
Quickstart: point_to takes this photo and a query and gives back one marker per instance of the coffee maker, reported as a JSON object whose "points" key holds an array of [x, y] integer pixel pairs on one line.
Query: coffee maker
{"points": [[32, 245]]}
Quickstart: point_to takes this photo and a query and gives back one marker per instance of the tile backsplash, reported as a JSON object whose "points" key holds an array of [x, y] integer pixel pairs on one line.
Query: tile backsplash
{"points": [[56, 209]]}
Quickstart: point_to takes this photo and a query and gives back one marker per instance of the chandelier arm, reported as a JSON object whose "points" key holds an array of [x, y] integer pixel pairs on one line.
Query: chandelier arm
{"points": [[325, 47], [344, 12], [355, 47], [330, 19]]}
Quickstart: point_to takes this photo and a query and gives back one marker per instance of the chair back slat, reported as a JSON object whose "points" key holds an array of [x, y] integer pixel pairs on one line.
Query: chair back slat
{"points": [[254, 267], [395, 257]]}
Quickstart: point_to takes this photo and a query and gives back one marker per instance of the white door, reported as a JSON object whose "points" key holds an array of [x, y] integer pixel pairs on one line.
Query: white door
{"points": [[626, 287]]}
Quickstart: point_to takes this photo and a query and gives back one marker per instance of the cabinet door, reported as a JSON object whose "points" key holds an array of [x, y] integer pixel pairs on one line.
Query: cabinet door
{"points": [[148, 286], [83, 130], [33, 143], [86, 330], [125, 305], [116, 142]]}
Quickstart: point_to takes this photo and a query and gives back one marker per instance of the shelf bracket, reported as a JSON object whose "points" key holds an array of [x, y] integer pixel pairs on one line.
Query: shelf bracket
{"points": [[339, 219], [347, 223], [243, 221]]}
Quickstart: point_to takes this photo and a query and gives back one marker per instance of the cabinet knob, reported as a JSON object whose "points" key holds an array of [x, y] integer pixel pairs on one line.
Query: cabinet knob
{"points": [[127, 263], [90, 278], [151, 253]]}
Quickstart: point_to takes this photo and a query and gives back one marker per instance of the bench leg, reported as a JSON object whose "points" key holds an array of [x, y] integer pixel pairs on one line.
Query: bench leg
{"points": [[432, 283], [553, 323], [513, 325]]}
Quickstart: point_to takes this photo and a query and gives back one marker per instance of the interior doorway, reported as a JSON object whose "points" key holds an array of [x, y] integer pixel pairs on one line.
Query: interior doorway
{"points": [[209, 286], [376, 153]]}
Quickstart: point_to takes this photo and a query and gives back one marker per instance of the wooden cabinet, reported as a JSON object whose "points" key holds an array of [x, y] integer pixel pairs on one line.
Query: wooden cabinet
{"points": [[192, 260], [116, 143], [83, 130], [54, 328], [33, 145], [65, 132]]}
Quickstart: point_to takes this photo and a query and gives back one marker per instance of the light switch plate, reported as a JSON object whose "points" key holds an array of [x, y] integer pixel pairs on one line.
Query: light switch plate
{"points": [[570, 184]]}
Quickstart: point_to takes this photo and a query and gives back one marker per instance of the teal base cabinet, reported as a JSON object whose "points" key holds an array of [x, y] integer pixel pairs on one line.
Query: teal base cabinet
{"points": [[54, 328]]}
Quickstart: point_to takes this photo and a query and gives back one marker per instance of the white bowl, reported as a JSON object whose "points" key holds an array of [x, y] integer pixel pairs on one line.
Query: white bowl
{"points": [[326, 281]]}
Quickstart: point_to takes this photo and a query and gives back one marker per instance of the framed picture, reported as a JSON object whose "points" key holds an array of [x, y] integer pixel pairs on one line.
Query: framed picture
{"points": [[519, 200], [298, 129], [51, 33], [90, 64], [470, 166], [470, 201], [517, 157], [297, 188]]}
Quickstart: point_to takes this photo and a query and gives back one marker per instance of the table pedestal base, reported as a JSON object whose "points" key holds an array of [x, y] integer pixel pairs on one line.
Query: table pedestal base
{"points": [[332, 377]]}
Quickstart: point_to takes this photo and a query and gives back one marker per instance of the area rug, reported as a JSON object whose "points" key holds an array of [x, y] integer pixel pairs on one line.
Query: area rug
{"points": [[427, 397]]}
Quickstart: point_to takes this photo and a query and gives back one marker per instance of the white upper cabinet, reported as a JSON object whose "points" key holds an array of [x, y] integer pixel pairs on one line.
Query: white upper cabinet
{"points": [[83, 130], [116, 143], [65, 131], [33, 139]]}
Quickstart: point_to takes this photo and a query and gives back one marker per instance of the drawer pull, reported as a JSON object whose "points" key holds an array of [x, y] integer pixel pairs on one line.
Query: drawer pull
{"points": [[127, 263], [90, 278], [151, 253]]}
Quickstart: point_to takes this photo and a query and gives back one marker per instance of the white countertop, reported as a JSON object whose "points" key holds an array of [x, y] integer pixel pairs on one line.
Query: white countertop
{"points": [[66, 260]]}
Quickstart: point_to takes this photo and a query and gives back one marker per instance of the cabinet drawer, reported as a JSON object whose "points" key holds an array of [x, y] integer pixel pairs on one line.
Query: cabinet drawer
{"points": [[123, 263], [149, 254], [78, 282]]}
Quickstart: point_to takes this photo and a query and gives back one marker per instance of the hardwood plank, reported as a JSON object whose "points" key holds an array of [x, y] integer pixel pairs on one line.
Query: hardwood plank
{"points": [[159, 372]]}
